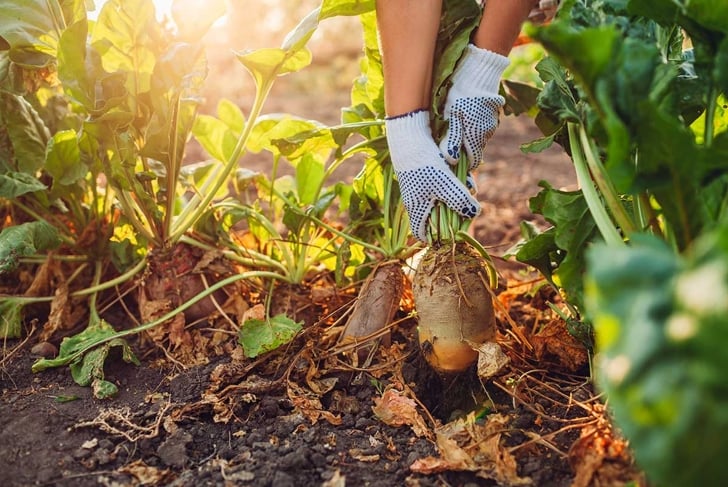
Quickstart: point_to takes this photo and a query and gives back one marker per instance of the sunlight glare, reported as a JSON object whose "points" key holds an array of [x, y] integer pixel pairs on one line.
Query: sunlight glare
{"points": [[163, 9]]}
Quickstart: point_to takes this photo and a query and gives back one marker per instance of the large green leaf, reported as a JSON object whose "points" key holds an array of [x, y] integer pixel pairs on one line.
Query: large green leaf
{"points": [[215, 137], [14, 184], [63, 158], [23, 240], [231, 115], [73, 69], [31, 29], [661, 326], [267, 63], [123, 37], [574, 230], [708, 13], [310, 174], [595, 54], [26, 130]]}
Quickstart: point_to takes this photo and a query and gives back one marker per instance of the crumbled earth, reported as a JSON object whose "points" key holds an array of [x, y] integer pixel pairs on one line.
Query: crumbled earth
{"points": [[311, 413]]}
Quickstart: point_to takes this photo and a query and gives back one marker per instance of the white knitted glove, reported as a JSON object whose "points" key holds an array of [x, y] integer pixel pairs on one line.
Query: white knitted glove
{"points": [[473, 104], [422, 173]]}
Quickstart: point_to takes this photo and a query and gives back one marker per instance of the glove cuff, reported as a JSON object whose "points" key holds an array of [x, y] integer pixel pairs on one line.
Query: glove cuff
{"points": [[479, 72]]}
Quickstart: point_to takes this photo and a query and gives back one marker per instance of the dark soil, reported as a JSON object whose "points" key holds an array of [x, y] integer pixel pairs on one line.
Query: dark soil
{"points": [[303, 416]]}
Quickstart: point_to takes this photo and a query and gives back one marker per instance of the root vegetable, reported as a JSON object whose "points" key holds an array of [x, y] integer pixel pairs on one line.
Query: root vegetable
{"points": [[454, 306], [376, 305]]}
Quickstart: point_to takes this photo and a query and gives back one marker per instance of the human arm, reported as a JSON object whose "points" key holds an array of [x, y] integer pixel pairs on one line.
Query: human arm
{"points": [[407, 34], [473, 103]]}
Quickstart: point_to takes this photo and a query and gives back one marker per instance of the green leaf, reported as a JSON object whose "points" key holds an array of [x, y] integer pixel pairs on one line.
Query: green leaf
{"points": [[196, 174], [94, 334], [90, 370], [267, 63], [63, 158], [26, 239], [310, 174], [73, 70], [230, 114], [595, 53], [284, 134], [666, 145], [296, 138], [215, 137], [660, 322], [574, 230], [122, 36], [26, 130], [300, 35], [31, 29], [11, 318], [96, 340], [260, 336], [539, 250], [538, 145], [708, 13], [14, 184], [557, 96], [333, 8], [103, 389], [91, 367]]}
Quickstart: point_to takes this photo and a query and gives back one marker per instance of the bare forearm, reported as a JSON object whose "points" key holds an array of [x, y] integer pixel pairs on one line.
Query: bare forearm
{"points": [[501, 24], [408, 33]]}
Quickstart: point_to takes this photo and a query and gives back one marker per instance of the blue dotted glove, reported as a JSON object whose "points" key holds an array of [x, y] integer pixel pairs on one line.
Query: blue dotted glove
{"points": [[423, 175], [473, 105]]}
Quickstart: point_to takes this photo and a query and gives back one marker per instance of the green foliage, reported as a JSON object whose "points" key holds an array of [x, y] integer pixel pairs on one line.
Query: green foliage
{"points": [[260, 336], [11, 318], [661, 327], [645, 124], [94, 123], [26, 239]]}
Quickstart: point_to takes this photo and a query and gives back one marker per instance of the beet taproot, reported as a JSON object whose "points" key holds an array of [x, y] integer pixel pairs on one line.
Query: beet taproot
{"points": [[454, 306]]}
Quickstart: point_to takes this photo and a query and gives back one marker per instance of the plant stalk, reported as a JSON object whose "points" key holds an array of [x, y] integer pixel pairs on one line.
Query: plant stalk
{"points": [[197, 206], [593, 201]]}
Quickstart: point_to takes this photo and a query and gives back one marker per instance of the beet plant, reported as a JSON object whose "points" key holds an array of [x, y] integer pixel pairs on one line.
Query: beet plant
{"points": [[636, 92], [96, 117]]}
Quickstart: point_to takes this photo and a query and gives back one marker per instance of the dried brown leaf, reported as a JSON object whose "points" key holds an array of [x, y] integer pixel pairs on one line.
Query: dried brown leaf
{"points": [[396, 409], [146, 474], [362, 456], [309, 405], [59, 318], [476, 447], [598, 458], [554, 342], [491, 359], [257, 312], [41, 283]]}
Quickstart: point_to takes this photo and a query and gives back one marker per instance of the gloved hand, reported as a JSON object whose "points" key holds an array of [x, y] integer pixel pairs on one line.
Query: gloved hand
{"points": [[473, 104], [422, 173]]}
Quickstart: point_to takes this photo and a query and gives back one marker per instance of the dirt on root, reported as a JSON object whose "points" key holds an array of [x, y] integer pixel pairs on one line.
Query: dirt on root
{"points": [[306, 415]]}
